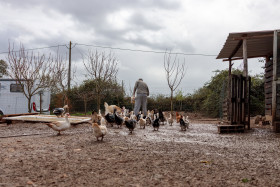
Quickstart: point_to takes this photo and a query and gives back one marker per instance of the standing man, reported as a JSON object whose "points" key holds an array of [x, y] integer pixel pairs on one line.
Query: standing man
{"points": [[142, 91]]}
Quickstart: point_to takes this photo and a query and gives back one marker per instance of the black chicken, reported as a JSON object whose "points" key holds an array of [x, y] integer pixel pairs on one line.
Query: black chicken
{"points": [[183, 124], [130, 124], [156, 124], [110, 118], [118, 119], [161, 117]]}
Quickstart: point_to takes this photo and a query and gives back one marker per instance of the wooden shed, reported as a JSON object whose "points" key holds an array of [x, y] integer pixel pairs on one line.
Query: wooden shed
{"points": [[242, 46]]}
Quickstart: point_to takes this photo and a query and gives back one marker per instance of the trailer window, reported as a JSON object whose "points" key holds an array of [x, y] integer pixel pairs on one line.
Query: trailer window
{"points": [[15, 88]]}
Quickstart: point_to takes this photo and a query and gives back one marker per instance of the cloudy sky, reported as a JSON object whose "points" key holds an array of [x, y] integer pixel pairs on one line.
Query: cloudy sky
{"points": [[197, 28]]}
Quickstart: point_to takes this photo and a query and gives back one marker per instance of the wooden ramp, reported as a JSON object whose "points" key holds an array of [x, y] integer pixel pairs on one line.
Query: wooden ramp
{"points": [[45, 119], [231, 128]]}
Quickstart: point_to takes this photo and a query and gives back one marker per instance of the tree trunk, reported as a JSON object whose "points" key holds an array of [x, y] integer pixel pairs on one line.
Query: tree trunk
{"points": [[29, 105], [98, 101], [181, 105], [85, 105], [171, 102]]}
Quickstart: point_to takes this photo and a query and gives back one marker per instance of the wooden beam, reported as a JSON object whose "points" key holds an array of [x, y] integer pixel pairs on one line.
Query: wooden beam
{"points": [[253, 37], [240, 58], [236, 49]]}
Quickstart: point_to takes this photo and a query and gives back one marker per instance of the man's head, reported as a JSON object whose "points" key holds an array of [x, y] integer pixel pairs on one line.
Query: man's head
{"points": [[140, 79]]}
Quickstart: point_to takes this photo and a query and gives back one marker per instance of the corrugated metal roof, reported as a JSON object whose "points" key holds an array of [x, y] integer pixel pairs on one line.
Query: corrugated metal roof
{"points": [[259, 44]]}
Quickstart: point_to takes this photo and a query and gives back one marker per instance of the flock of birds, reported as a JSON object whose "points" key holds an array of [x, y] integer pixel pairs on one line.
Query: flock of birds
{"points": [[115, 115]]}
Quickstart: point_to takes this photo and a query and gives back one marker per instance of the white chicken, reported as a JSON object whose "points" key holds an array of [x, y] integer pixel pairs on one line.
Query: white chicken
{"points": [[60, 125], [142, 122], [186, 120], [170, 120], [99, 131]]}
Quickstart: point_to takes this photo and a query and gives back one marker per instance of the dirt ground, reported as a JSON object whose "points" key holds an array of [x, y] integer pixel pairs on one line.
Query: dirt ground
{"points": [[33, 155]]}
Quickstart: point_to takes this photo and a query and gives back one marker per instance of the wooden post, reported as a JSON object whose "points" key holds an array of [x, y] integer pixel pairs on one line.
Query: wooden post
{"points": [[69, 67], [245, 74], [245, 60], [229, 116], [275, 59]]}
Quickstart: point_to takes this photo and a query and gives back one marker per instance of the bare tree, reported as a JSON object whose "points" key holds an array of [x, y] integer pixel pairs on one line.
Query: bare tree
{"points": [[60, 78], [86, 96], [32, 72], [175, 72], [101, 68], [3, 68]]}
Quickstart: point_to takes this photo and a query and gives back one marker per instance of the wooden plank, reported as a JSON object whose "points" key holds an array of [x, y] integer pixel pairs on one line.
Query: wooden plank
{"points": [[47, 119], [13, 115], [268, 79], [268, 69], [268, 74], [231, 128], [267, 85], [268, 95], [268, 101], [268, 63], [268, 90]]}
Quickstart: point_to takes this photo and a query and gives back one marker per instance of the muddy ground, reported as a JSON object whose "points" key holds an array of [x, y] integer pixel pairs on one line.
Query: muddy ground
{"points": [[33, 155]]}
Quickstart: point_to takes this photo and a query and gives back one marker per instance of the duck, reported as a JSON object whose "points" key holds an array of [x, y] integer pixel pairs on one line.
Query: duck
{"points": [[60, 125]]}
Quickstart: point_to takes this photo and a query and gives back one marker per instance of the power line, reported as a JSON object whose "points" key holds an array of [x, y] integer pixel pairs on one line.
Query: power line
{"points": [[48, 47], [146, 51], [122, 49]]}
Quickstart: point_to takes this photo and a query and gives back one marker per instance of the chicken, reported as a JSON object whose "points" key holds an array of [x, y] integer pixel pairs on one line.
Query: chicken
{"points": [[148, 121], [178, 117], [186, 120], [170, 120], [95, 118], [110, 118], [184, 123], [103, 121], [110, 108], [118, 119], [130, 124], [161, 117], [60, 125], [99, 131], [156, 123], [142, 122], [59, 112]]}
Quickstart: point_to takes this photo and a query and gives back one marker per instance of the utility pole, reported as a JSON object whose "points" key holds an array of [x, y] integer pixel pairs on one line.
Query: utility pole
{"points": [[69, 67]]}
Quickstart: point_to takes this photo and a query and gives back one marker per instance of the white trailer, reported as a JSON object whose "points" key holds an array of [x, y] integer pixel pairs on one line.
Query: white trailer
{"points": [[13, 101]]}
